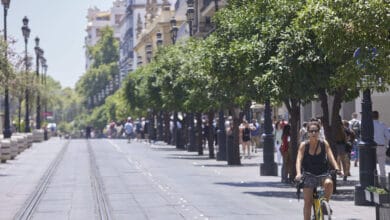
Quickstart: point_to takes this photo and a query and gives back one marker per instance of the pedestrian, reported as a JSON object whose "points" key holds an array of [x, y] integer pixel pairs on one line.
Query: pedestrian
{"points": [[246, 138], [205, 133], [303, 136], [129, 129], [314, 156], [255, 135], [355, 125], [381, 138], [278, 131], [284, 150], [350, 137], [138, 129], [88, 131], [341, 141]]}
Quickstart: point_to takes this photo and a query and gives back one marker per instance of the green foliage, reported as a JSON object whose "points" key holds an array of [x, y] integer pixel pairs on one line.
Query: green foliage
{"points": [[106, 50]]}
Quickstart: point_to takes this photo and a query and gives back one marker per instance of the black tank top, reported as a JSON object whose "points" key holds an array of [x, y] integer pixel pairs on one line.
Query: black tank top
{"points": [[316, 164], [246, 134]]}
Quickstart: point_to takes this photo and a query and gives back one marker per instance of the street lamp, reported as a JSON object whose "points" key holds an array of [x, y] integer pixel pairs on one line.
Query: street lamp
{"points": [[38, 54], [26, 34], [216, 5], [190, 14], [367, 146], [44, 69], [7, 124], [174, 30], [269, 167]]}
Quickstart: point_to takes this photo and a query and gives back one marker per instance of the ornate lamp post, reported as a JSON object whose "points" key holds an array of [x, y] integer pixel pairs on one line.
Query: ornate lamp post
{"points": [[174, 30], [38, 54], [44, 69], [158, 133], [191, 132], [269, 167], [367, 146], [7, 124], [26, 34]]}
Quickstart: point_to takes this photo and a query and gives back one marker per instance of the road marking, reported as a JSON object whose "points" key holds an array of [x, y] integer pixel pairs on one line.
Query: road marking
{"points": [[165, 189]]}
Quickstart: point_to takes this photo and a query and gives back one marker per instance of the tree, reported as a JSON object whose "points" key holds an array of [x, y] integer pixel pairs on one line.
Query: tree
{"points": [[338, 29]]}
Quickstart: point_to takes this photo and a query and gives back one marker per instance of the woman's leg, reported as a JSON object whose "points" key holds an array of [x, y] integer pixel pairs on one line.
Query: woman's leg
{"points": [[308, 202], [328, 188]]}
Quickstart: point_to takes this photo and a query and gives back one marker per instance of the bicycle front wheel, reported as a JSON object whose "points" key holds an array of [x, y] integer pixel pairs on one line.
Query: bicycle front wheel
{"points": [[326, 211]]}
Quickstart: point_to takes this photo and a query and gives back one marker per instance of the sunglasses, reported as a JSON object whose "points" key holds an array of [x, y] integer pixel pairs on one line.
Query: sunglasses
{"points": [[313, 131]]}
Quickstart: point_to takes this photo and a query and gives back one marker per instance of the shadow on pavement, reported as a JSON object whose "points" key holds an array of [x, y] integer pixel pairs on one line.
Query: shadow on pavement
{"points": [[275, 194], [257, 184], [226, 165], [344, 195], [189, 157], [164, 149]]}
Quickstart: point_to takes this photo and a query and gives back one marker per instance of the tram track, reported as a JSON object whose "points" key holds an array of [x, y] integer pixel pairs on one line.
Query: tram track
{"points": [[27, 210], [103, 207]]}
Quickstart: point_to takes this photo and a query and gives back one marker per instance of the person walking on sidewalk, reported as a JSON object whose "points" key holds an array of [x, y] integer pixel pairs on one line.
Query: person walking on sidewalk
{"points": [[314, 156], [381, 138], [255, 135], [246, 138], [278, 130], [129, 129], [284, 150], [354, 124]]}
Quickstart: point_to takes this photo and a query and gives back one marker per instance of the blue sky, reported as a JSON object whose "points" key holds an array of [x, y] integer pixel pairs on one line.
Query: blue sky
{"points": [[60, 24]]}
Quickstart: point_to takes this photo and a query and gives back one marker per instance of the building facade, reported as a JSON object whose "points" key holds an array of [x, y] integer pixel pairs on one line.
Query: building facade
{"points": [[153, 30], [135, 13], [97, 20]]}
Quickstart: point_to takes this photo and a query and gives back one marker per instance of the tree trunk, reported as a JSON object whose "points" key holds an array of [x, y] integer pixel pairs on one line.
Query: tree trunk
{"points": [[210, 138], [233, 151], [293, 106], [199, 137], [184, 131], [19, 114], [331, 124], [167, 132]]}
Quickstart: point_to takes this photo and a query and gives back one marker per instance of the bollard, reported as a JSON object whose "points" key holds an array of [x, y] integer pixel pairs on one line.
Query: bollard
{"points": [[5, 150]]}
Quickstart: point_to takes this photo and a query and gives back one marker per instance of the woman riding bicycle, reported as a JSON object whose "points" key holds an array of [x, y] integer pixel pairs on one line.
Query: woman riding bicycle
{"points": [[313, 156]]}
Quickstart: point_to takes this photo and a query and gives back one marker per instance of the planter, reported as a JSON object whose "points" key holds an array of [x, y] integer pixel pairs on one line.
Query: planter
{"points": [[381, 198], [368, 195]]}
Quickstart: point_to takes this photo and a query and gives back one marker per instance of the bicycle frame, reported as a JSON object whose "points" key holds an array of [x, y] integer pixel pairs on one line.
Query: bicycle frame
{"points": [[319, 201]]}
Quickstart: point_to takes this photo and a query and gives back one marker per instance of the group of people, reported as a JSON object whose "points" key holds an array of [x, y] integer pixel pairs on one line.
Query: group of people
{"points": [[315, 155], [130, 129]]}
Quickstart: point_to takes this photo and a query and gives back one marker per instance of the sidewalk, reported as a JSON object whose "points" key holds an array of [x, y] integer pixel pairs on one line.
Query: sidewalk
{"points": [[19, 177], [247, 179]]}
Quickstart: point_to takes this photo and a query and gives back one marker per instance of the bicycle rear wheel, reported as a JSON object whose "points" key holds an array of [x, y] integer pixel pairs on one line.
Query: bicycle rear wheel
{"points": [[326, 211]]}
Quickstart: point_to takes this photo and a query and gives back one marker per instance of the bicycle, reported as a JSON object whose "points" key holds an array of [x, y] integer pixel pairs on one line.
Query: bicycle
{"points": [[321, 207]]}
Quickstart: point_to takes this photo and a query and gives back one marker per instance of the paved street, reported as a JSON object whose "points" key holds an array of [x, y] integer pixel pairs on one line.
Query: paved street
{"points": [[143, 181]]}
